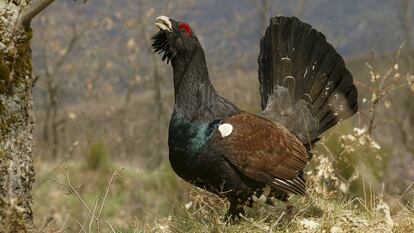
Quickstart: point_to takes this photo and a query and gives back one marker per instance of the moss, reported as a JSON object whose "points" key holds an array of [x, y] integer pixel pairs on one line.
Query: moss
{"points": [[4, 76], [21, 61], [16, 116], [11, 214], [17, 222], [2, 124], [5, 124], [22, 67], [6, 121]]}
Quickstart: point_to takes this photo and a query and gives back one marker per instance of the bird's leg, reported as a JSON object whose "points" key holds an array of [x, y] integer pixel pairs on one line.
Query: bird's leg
{"points": [[236, 209], [289, 208], [283, 196]]}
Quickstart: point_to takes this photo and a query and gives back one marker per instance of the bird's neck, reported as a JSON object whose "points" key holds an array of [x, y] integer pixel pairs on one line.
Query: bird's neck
{"points": [[192, 87]]}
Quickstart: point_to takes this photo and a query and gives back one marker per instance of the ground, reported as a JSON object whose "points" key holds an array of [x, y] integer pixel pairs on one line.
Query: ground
{"points": [[158, 201]]}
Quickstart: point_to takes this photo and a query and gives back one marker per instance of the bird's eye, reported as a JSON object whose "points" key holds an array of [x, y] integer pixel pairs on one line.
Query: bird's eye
{"points": [[185, 28]]}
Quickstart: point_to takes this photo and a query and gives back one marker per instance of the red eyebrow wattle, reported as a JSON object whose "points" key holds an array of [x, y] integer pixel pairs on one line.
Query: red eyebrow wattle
{"points": [[186, 27]]}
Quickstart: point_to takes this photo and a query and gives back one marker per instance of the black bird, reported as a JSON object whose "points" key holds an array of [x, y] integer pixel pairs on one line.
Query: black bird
{"points": [[305, 89]]}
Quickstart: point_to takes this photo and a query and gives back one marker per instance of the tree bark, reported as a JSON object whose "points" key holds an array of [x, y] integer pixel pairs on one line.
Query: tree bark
{"points": [[16, 119]]}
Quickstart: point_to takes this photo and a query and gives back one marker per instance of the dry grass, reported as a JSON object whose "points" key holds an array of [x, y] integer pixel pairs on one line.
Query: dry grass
{"points": [[140, 201]]}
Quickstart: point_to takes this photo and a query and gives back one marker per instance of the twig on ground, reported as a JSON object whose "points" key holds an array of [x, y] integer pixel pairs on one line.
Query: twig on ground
{"points": [[254, 223], [276, 222], [95, 217]]}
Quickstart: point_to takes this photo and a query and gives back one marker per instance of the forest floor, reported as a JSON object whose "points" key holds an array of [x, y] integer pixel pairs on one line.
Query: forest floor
{"points": [[119, 198]]}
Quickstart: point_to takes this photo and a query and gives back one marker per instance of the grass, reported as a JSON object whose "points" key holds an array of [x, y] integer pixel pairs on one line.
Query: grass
{"points": [[133, 194], [158, 201], [315, 213]]}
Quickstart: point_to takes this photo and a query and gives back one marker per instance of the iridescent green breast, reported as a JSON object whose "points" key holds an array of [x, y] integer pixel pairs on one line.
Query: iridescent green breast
{"points": [[189, 138]]}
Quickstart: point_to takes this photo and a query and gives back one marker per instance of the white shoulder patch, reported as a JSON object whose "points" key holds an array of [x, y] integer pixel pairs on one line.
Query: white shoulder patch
{"points": [[225, 129]]}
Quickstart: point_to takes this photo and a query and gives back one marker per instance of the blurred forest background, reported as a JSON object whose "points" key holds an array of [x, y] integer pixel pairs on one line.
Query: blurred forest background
{"points": [[103, 101]]}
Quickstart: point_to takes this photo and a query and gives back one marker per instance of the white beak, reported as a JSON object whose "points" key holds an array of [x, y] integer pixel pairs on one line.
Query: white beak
{"points": [[163, 23]]}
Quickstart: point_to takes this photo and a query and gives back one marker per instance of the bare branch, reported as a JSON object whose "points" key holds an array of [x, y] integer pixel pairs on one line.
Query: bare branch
{"points": [[30, 12], [72, 190], [76, 36]]}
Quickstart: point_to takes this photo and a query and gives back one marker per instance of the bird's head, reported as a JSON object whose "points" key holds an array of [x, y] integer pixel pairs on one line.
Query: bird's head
{"points": [[175, 39]]}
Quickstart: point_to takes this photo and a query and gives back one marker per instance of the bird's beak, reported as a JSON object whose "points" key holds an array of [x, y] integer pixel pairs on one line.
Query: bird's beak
{"points": [[163, 23]]}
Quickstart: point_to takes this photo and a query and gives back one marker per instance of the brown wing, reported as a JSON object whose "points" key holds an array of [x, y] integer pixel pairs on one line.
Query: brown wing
{"points": [[264, 151]]}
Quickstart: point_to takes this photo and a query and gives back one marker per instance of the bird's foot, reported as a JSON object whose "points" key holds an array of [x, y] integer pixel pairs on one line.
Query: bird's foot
{"points": [[290, 209], [234, 214]]}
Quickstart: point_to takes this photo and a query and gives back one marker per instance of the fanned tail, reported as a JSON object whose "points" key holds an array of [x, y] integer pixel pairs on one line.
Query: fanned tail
{"points": [[304, 83]]}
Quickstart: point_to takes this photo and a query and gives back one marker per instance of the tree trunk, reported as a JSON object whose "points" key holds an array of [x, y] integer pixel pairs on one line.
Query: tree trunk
{"points": [[16, 120]]}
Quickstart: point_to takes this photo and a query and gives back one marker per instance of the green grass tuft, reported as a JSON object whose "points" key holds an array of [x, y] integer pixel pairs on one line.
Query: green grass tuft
{"points": [[97, 158]]}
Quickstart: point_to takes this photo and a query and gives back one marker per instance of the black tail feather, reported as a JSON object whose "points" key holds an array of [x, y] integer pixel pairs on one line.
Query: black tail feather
{"points": [[296, 57]]}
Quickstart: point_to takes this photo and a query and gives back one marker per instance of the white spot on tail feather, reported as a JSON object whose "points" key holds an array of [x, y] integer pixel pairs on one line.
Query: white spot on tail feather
{"points": [[225, 129]]}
